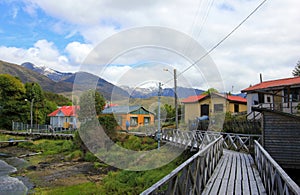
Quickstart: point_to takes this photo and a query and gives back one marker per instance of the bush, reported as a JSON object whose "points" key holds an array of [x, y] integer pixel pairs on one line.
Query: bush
{"points": [[75, 155], [90, 157]]}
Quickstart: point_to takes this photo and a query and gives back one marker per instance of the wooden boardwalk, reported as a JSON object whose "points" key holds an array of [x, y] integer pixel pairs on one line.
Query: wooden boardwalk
{"points": [[236, 173], [39, 135]]}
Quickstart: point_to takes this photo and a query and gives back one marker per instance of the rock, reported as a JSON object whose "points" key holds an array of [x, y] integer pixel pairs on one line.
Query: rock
{"points": [[31, 168]]}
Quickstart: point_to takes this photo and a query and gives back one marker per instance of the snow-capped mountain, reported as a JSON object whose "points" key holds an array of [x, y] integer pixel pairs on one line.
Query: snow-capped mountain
{"points": [[182, 92], [48, 72]]}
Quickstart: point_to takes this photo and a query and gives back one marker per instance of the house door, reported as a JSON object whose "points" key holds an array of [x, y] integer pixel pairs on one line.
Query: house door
{"points": [[204, 109]]}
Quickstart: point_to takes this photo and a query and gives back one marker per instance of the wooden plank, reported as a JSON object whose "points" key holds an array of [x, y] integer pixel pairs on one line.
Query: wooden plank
{"points": [[238, 168], [252, 181], [235, 174], [245, 179], [226, 176], [259, 183], [212, 182], [231, 182]]}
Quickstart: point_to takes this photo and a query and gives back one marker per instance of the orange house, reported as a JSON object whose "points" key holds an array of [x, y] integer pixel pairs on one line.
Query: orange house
{"points": [[136, 116]]}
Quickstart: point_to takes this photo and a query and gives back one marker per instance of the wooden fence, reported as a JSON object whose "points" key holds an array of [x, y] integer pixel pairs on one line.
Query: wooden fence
{"points": [[192, 175], [231, 126], [274, 178]]}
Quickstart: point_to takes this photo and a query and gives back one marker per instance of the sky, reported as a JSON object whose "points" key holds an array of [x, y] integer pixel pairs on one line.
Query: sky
{"points": [[133, 42]]}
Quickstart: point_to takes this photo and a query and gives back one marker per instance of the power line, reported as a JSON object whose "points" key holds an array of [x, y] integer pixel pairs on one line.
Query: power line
{"points": [[221, 41]]}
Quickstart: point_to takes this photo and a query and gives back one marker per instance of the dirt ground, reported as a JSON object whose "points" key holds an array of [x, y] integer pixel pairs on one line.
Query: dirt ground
{"points": [[53, 170]]}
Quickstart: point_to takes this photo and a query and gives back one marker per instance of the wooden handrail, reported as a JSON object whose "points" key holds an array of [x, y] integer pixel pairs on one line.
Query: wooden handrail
{"points": [[274, 178], [192, 175]]}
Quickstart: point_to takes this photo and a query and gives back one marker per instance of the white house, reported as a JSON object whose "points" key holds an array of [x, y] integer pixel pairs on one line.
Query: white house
{"points": [[64, 118], [282, 95]]}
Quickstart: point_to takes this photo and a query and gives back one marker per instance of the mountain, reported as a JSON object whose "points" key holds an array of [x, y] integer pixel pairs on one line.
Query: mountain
{"points": [[48, 72], [60, 82], [27, 75], [84, 80], [182, 92]]}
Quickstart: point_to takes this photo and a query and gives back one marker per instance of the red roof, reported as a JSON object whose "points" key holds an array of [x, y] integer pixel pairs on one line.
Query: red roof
{"points": [[274, 83], [66, 110], [197, 98], [194, 98], [236, 98]]}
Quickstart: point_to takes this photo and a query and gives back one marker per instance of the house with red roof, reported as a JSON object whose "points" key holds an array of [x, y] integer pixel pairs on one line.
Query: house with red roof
{"points": [[281, 95], [210, 104], [64, 117]]}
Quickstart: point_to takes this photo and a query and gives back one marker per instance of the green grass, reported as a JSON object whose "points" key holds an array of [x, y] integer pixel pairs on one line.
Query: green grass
{"points": [[50, 147], [4, 137], [80, 189], [115, 182]]}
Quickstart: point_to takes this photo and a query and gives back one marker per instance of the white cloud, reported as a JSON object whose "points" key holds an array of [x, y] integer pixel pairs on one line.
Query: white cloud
{"points": [[78, 51], [42, 53], [268, 43]]}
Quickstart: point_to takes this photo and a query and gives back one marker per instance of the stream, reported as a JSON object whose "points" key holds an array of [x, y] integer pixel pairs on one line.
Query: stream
{"points": [[11, 185]]}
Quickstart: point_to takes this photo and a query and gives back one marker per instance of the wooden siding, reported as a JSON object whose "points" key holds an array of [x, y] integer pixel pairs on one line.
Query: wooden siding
{"points": [[193, 110], [281, 138], [126, 117]]}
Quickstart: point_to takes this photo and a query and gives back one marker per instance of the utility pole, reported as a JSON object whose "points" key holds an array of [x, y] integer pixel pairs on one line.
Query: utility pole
{"points": [[158, 125], [175, 96]]}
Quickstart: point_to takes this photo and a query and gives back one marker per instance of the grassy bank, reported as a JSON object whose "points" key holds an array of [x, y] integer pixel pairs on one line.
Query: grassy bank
{"points": [[61, 167]]}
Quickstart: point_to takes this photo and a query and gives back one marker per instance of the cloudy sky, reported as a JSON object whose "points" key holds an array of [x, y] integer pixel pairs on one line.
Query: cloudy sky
{"points": [[116, 40]]}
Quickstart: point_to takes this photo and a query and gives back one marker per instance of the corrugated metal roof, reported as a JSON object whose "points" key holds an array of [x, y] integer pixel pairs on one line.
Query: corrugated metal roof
{"points": [[66, 110], [197, 98], [273, 84], [120, 109]]}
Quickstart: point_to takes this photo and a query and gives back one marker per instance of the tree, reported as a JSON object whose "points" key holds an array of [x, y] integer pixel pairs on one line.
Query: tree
{"points": [[60, 100], [296, 71], [210, 91], [91, 105], [35, 94], [170, 113], [12, 102]]}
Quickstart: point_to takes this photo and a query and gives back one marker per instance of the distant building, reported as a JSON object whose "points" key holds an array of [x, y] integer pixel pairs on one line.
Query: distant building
{"points": [[208, 105], [136, 116], [281, 95], [64, 117]]}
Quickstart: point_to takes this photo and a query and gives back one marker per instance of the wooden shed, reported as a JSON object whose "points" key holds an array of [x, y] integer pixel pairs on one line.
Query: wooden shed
{"points": [[281, 137]]}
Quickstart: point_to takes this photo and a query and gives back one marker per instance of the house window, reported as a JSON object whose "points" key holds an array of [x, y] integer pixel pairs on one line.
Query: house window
{"points": [[146, 120], [261, 98], [218, 107], [236, 108], [268, 99], [294, 94], [133, 121]]}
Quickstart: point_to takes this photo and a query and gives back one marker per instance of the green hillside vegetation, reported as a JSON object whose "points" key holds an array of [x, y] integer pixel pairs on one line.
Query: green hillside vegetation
{"points": [[16, 99], [28, 76], [60, 100]]}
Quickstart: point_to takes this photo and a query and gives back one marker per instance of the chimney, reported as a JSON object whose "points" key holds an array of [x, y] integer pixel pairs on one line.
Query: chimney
{"points": [[260, 77]]}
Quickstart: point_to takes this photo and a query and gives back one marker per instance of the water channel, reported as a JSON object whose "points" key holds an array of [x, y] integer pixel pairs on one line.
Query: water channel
{"points": [[11, 185]]}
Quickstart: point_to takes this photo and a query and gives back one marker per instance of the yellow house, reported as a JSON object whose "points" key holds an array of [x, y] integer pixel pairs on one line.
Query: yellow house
{"points": [[136, 116], [208, 105]]}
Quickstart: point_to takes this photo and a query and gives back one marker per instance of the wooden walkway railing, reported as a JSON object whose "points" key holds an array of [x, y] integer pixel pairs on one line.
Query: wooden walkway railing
{"points": [[199, 139], [235, 174], [274, 178], [192, 175]]}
